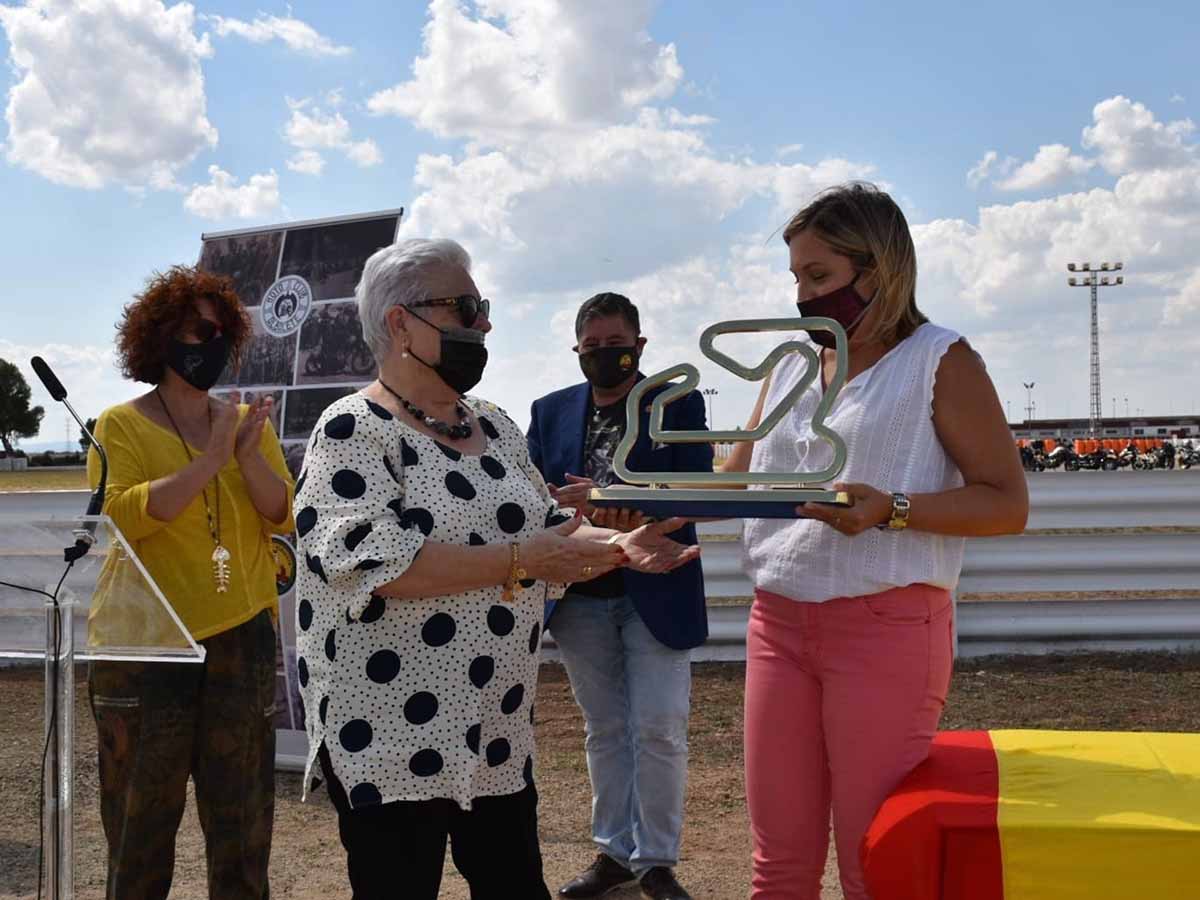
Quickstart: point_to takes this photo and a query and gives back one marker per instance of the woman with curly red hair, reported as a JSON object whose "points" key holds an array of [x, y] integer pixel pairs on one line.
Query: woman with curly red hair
{"points": [[198, 485]]}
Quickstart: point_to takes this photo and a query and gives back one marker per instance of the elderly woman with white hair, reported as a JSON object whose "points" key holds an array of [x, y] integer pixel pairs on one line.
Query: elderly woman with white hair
{"points": [[430, 543]]}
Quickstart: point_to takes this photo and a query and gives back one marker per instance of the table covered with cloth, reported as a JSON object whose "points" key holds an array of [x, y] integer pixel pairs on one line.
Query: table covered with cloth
{"points": [[1042, 815]]}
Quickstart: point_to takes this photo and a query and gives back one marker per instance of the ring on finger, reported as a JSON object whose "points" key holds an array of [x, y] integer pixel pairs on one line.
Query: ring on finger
{"points": [[587, 571]]}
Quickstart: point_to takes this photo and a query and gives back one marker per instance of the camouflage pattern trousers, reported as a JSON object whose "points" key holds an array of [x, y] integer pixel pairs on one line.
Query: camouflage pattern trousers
{"points": [[158, 723]]}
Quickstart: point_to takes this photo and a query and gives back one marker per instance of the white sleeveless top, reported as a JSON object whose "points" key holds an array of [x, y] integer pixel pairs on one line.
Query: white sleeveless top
{"points": [[885, 416]]}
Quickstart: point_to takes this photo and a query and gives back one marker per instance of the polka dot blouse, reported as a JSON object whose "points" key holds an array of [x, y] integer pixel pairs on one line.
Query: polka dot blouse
{"points": [[415, 699]]}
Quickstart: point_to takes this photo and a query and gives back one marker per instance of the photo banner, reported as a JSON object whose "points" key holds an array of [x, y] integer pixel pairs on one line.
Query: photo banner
{"points": [[297, 282]]}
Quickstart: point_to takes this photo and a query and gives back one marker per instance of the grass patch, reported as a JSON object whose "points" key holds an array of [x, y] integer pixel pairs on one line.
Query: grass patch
{"points": [[44, 480]]}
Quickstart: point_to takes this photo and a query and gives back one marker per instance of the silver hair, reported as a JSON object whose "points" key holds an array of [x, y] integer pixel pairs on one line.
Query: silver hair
{"points": [[395, 276]]}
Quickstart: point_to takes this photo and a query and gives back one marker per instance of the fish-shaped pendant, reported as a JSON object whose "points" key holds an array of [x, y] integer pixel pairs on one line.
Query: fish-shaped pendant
{"points": [[220, 560]]}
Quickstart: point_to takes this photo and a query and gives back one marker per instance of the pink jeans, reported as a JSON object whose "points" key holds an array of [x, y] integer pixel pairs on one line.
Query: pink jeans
{"points": [[842, 701]]}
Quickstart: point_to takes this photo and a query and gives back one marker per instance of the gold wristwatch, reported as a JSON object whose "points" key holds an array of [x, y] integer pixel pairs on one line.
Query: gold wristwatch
{"points": [[900, 509]]}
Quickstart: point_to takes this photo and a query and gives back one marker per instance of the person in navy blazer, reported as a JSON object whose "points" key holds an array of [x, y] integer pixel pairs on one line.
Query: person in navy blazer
{"points": [[626, 637]]}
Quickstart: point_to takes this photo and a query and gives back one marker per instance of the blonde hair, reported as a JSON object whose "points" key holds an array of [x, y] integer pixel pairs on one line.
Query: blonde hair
{"points": [[864, 224]]}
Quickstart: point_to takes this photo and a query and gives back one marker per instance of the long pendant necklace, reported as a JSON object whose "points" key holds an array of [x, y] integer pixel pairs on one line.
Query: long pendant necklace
{"points": [[221, 556]]}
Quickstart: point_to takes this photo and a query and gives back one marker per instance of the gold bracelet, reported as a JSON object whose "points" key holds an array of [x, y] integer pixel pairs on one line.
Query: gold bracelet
{"points": [[513, 585]]}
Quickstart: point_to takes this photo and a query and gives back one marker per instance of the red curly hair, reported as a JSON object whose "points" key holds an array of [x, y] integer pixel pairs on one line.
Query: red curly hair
{"points": [[164, 308]]}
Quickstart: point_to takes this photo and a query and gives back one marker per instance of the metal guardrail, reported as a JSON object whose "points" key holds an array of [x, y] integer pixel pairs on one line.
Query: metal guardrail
{"points": [[1087, 532], [1083, 552], [1029, 563], [1125, 499]]}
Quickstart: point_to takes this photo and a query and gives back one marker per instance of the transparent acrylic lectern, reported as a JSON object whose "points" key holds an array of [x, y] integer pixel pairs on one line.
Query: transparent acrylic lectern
{"points": [[106, 608]]}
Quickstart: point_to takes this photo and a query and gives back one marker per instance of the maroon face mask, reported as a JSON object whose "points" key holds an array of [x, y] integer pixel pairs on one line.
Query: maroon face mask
{"points": [[843, 305]]}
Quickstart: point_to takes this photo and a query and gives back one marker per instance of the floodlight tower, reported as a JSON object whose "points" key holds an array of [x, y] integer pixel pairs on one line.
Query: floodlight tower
{"points": [[1094, 280], [710, 393]]}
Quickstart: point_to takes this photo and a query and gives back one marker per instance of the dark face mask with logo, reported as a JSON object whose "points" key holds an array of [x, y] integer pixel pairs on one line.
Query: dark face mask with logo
{"points": [[607, 367], [200, 365], [844, 305], [463, 356]]}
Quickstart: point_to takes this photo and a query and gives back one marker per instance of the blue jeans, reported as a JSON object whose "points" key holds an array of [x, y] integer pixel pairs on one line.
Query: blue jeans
{"points": [[634, 693]]}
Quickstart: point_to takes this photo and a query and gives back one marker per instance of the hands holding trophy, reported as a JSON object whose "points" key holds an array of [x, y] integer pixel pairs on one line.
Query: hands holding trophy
{"points": [[766, 495]]}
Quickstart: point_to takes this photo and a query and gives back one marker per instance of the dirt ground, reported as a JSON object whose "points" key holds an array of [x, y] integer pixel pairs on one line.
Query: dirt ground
{"points": [[1148, 692]]}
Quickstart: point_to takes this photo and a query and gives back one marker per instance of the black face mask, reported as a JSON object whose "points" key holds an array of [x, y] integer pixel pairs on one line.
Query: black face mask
{"points": [[606, 367], [200, 365], [463, 356], [844, 305]]}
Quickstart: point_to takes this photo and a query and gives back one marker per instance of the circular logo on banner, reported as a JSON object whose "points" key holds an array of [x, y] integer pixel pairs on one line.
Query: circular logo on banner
{"points": [[285, 305], [285, 564]]}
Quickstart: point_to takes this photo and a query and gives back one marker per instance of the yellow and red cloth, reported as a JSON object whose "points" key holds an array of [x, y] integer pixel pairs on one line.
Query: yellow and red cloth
{"points": [[1042, 815]]}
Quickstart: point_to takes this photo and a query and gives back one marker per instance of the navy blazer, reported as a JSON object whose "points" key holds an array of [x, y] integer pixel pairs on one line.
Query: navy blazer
{"points": [[672, 604]]}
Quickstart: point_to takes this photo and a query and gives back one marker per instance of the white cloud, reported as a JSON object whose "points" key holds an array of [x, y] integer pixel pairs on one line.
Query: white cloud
{"points": [[89, 374], [532, 64], [990, 166], [309, 129], [307, 162], [1184, 306], [108, 91], [1128, 137], [546, 214], [1178, 98], [224, 198], [676, 119], [364, 153], [297, 35], [1053, 164], [537, 194], [1125, 136]]}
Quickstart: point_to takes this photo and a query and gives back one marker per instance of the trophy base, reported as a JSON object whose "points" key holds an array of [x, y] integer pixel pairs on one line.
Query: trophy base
{"points": [[715, 503]]}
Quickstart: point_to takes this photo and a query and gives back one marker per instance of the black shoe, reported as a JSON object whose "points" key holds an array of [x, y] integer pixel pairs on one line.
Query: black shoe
{"points": [[659, 883], [598, 879]]}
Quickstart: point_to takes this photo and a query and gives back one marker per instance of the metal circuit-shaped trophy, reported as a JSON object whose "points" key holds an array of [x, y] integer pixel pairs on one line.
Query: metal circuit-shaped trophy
{"points": [[741, 495]]}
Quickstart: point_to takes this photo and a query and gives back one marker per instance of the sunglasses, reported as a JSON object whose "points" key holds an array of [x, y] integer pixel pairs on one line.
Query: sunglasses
{"points": [[469, 307], [204, 330]]}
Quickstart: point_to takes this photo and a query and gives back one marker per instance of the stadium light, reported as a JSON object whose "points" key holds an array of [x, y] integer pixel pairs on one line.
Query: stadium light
{"points": [[1093, 281]]}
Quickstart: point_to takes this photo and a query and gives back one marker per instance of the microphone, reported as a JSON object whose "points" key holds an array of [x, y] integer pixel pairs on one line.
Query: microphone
{"points": [[85, 536]]}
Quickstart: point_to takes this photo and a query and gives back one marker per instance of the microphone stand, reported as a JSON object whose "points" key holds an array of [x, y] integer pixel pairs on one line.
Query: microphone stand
{"points": [[58, 782]]}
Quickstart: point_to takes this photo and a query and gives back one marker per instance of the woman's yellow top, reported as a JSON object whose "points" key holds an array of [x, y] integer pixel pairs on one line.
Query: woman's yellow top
{"points": [[178, 554]]}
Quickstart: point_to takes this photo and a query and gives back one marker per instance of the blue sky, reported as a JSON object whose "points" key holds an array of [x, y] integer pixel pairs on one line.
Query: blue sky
{"points": [[646, 147]]}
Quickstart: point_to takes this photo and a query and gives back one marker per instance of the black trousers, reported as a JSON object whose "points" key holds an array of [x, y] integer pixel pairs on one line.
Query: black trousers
{"points": [[398, 850], [158, 723]]}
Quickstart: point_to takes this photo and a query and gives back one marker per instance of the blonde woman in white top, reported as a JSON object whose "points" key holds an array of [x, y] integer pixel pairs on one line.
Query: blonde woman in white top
{"points": [[849, 645]]}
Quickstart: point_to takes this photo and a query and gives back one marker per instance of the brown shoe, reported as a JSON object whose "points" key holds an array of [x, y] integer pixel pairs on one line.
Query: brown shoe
{"points": [[598, 879], [659, 883]]}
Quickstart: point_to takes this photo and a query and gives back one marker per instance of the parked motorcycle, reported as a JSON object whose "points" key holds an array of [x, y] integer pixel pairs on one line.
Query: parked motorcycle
{"points": [[1187, 456], [1099, 459], [1062, 456], [1128, 458]]}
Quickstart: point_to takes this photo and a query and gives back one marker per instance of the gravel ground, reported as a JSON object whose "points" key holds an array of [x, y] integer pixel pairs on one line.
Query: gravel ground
{"points": [[1149, 692]]}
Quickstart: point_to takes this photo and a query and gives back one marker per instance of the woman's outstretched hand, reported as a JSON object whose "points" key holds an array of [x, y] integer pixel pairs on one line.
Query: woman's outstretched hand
{"points": [[560, 556], [651, 551]]}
